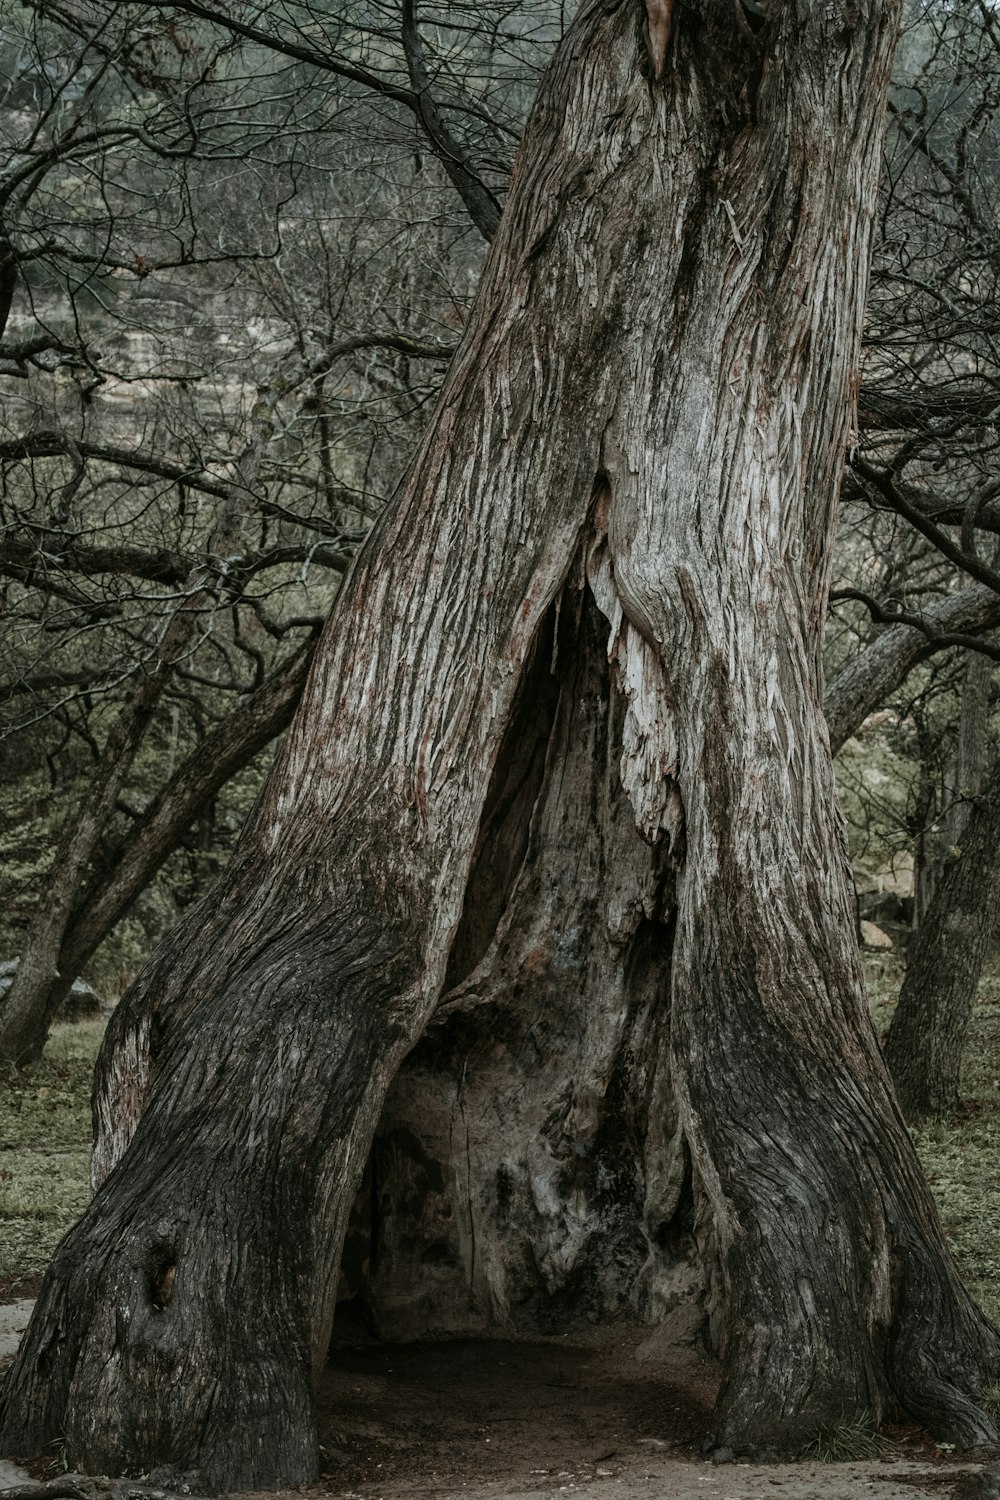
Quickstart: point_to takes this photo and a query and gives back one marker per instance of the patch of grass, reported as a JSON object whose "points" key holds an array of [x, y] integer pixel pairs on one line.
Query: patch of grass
{"points": [[45, 1148], [961, 1153], [844, 1442], [883, 980], [961, 1156]]}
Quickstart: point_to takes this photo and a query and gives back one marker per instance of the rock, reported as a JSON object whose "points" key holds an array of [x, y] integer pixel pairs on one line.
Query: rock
{"points": [[12, 1477], [81, 1001], [723, 1456], [874, 937], [14, 1319]]}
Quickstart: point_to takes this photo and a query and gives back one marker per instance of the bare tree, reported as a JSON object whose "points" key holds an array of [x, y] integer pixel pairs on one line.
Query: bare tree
{"points": [[648, 410]]}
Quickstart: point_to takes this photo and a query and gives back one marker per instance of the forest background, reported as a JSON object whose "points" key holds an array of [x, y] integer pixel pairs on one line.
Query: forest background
{"points": [[236, 251]]}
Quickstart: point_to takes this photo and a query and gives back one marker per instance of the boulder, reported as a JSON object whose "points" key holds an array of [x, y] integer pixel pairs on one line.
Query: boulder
{"points": [[874, 937], [81, 1001]]}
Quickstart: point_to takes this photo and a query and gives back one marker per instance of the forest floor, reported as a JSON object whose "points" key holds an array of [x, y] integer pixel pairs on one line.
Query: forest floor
{"points": [[609, 1415]]}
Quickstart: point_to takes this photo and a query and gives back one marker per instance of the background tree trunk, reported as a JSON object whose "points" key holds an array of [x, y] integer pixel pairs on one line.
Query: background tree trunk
{"points": [[656, 381], [942, 835], [926, 1038]]}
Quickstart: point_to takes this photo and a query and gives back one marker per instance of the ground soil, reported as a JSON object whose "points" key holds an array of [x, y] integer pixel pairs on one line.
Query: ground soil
{"points": [[616, 1414]]}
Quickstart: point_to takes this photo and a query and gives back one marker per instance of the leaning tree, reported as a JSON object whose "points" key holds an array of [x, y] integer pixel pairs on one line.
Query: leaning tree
{"points": [[556, 818]]}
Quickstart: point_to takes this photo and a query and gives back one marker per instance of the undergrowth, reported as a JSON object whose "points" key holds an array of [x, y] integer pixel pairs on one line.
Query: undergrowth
{"points": [[844, 1442], [44, 1150], [961, 1157]]}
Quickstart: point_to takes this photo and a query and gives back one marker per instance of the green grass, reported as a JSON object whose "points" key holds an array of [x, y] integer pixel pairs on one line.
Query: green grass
{"points": [[961, 1156], [844, 1442], [44, 1149]]}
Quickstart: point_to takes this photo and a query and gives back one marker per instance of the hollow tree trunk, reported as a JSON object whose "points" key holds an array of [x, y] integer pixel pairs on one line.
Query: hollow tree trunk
{"points": [[926, 1040], [529, 1165], [656, 375], [121, 878]]}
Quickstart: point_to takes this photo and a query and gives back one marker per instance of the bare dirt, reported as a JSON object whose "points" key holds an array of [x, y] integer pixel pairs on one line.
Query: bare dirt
{"points": [[617, 1414], [613, 1416]]}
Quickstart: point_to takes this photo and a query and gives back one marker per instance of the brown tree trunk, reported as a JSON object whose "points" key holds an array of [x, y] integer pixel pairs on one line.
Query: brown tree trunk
{"points": [[656, 379], [926, 1040]]}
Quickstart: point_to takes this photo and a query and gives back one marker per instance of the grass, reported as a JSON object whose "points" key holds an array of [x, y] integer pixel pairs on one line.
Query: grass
{"points": [[961, 1156], [844, 1442], [44, 1151]]}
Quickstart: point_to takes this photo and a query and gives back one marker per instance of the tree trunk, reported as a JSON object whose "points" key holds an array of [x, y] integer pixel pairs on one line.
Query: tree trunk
{"points": [[655, 382], [926, 1040], [941, 834], [970, 751], [529, 1165]]}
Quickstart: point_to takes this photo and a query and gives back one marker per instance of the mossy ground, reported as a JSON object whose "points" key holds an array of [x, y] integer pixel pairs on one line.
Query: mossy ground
{"points": [[45, 1145]]}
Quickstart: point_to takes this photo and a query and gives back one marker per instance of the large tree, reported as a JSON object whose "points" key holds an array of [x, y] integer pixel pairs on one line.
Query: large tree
{"points": [[562, 739]]}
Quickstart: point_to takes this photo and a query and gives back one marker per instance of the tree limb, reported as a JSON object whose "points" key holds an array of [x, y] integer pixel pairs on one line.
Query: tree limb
{"points": [[880, 668]]}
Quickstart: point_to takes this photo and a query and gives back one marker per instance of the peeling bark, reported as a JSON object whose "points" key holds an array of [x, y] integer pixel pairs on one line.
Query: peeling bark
{"points": [[655, 383]]}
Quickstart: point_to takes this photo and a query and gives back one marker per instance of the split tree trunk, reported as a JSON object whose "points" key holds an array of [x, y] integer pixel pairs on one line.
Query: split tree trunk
{"points": [[926, 1040], [529, 1163], [657, 378]]}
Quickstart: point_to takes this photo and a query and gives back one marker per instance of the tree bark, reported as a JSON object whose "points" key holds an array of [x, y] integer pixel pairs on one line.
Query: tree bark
{"points": [[926, 1039], [655, 382], [124, 875], [529, 1169]]}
